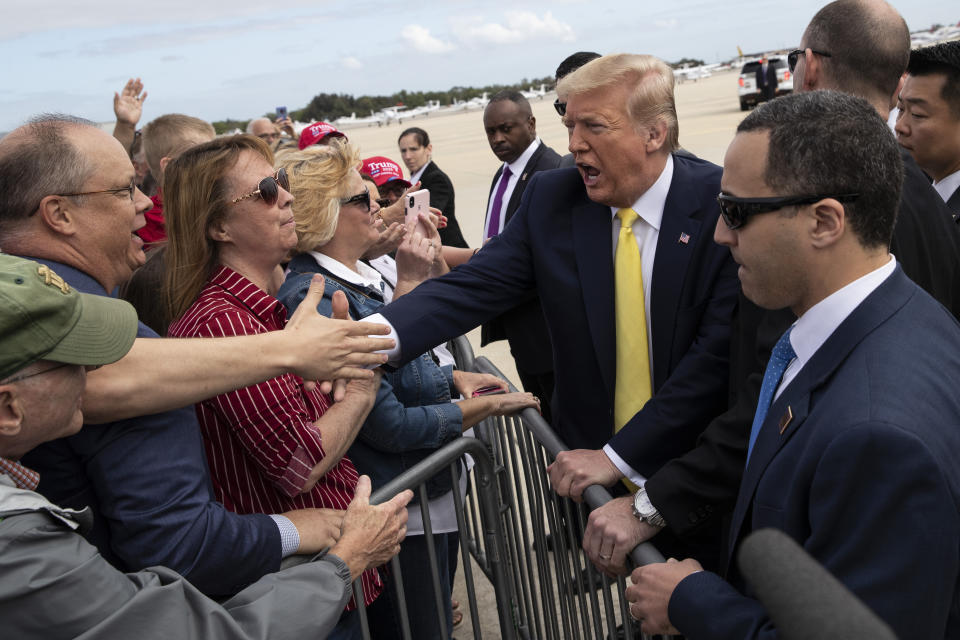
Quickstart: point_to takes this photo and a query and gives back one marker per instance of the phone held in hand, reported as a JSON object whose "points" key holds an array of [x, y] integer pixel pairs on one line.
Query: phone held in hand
{"points": [[417, 202], [490, 390], [281, 113]]}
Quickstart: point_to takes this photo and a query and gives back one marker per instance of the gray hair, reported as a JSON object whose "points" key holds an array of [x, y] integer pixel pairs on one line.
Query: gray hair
{"points": [[39, 160], [829, 143]]}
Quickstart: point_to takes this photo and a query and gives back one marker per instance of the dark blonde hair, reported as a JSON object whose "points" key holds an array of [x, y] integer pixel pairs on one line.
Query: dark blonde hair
{"points": [[318, 179], [652, 98], [170, 134], [195, 191]]}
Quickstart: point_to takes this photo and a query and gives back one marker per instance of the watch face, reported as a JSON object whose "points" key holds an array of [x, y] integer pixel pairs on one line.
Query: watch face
{"points": [[642, 505]]}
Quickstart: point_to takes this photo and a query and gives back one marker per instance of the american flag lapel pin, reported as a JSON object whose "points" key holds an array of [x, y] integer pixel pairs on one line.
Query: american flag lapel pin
{"points": [[523, 178], [684, 238]]}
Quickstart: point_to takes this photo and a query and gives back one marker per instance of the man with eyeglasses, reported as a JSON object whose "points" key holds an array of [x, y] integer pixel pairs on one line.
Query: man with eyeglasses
{"points": [[700, 487], [853, 446], [143, 473], [55, 584]]}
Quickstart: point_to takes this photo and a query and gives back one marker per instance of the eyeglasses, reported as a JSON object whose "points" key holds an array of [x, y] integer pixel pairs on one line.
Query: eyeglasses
{"points": [[561, 107], [35, 373], [794, 55], [129, 189], [269, 137], [362, 199], [267, 188], [736, 211]]}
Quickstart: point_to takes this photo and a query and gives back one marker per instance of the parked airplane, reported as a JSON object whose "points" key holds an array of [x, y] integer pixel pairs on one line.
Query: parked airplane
{"points": [[534, 93], [694, 73], [372, 119]]}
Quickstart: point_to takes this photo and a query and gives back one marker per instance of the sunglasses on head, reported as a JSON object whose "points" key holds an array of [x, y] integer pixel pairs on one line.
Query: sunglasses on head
{"points": [[795, 55], [267, 189], [736, 211], [363, 199]]}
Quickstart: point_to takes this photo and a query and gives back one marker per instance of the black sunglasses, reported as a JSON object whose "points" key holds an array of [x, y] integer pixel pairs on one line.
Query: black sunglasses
{"points": [[362, 198], [267, 188], [561, 107], [794, 55], [736, 211]]}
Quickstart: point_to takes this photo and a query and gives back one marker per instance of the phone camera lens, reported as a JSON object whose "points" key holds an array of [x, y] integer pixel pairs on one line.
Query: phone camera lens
{"points": [[411, 203]]}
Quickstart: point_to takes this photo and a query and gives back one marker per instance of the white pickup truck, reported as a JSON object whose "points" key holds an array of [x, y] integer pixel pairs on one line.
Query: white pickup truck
{"points": [[749, 93]]}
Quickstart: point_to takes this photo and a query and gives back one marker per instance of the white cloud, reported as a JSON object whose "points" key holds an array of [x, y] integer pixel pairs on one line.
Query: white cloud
{"points": [[520, 26], [421, 40], [350, 62]]}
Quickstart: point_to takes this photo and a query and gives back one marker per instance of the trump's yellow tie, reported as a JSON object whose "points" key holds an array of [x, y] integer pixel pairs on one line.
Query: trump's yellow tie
{"points": [[633, 387]]}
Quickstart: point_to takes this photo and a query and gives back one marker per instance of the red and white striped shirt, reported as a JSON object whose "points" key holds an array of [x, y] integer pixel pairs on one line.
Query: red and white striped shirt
{"points": [[260, 441]]}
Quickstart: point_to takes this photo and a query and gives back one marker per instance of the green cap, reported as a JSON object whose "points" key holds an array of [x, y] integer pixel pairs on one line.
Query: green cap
{"points": [[44, 318]]}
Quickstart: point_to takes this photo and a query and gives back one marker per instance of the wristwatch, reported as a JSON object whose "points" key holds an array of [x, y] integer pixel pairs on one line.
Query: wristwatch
{"points": [[644, 509]]}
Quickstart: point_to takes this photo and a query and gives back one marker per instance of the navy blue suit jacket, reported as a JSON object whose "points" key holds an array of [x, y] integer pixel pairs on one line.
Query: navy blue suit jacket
{"points": [[864, 476], [559, 244], [147, 482]]}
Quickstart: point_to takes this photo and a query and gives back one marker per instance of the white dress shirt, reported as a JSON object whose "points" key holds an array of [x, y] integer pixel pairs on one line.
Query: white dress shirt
{"points": [[948, 185], [516, 169], [813, 328], [415, 176]]}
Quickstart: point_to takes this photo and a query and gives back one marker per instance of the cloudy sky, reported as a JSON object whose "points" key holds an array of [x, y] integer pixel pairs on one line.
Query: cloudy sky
{"points": [[240, 59]]}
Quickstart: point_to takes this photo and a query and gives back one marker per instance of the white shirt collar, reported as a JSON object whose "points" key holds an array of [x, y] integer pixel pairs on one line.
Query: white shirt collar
{"points": [[816, 325], [948, 185], [650, 205], [518, 165], [367, 276], [415, 177]]}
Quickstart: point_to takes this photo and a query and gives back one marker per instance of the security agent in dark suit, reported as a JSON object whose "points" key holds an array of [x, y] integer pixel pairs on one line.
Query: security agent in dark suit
{"points": [[928, 123], [767, 79], [416, 151], [512, 133], [560, 244], [852, 450], [696, 491]]}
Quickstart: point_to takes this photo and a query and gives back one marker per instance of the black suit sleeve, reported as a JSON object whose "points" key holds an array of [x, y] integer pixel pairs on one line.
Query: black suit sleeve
{"points": [[442, 197], [700, 486]]}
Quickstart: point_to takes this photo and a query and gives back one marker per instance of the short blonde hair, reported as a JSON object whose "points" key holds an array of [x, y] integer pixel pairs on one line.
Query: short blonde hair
{"points": [[171, 134], [652, 99], [318, 179]]}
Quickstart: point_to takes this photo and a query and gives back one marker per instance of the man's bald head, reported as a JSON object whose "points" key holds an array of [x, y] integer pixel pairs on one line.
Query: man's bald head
{"points": [[869, 46], [39, 159]]}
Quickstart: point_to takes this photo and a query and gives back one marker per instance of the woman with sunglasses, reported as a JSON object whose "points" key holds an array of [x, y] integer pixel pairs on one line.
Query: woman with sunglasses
{"points": [[278, 445], [413, 415]]}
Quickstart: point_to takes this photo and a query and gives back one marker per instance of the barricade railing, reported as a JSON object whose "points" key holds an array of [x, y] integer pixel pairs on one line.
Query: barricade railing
{"points": [[524, 538]]}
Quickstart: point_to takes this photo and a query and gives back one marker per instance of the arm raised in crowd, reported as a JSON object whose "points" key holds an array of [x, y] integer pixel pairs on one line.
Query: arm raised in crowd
{"points": [[128, 107], [163, 374]]}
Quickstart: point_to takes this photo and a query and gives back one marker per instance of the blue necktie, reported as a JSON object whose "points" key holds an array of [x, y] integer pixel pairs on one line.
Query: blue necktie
{"points": [[782, 354], [494, 227]]}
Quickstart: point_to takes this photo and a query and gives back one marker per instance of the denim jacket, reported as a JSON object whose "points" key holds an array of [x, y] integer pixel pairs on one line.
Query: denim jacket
{"points": [[412, 415]]}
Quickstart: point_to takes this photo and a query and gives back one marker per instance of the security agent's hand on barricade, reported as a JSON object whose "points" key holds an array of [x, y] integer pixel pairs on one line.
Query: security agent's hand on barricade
{"points": [[649, 595], [574, 471], [611, 534], [333, 349], [371, 535]]}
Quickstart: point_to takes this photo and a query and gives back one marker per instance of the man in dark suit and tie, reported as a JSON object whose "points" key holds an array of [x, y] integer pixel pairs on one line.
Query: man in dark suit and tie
{"points": [[640, 336], [853, 447], [929, 121], [417, 152], [512, 133], [694, 492], [766, 80]]}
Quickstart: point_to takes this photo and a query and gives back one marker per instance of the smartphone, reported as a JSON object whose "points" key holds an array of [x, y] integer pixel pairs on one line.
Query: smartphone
{"points": [[491, 390], [281, 113], [417, 202]]}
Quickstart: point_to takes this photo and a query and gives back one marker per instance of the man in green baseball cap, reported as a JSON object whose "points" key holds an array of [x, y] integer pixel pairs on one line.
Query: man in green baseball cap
{"points": [[49, 333]]}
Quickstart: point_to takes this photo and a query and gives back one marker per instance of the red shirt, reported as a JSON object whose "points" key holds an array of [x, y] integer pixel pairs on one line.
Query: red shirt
{"points": [[155, 230], [260, 441]]}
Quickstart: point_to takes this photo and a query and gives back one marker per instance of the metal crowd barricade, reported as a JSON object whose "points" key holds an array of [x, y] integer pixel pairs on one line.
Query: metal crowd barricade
{"points": [[523, 537]]}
